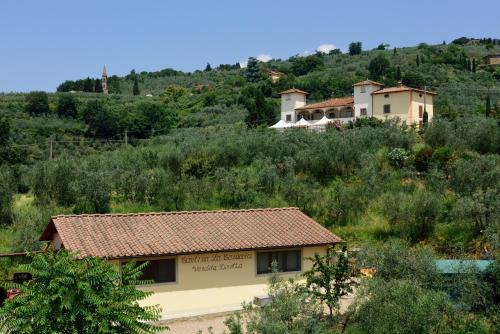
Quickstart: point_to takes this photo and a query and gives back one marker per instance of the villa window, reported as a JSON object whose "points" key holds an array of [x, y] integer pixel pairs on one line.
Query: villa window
{"points": [[159, 271], [288, 118], [363, 89], [420, 111], [363, 112], [387, 108], [386, 95], [286, 261]]}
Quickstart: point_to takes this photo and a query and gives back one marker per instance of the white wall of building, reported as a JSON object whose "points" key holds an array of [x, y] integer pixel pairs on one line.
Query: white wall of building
{"points": [[289, 102], [363, 99]]}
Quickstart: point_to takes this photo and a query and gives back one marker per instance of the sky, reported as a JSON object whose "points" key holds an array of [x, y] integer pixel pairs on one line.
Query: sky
{"points": [[46, 42]]}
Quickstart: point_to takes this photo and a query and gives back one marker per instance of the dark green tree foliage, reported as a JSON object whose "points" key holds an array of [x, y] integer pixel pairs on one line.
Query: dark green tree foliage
{"points": [[84, 296], [355, 48], [252, 72], [103, 121], [487, 109], [330, 278], [260, 111], [417, 61], [88, 85], [304, 65], [7, 190], [92, 190], [413, 79], [404, 308], [398, 76], [379, 66], [37, 103], [425, 118], [135, 88], [98, 86], [114, 85], [67, 106], [208, 68], [4, 132], [474, 65]]}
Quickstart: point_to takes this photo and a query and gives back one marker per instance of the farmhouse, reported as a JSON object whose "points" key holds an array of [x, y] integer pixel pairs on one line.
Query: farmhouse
{"points": [[201, 261], [370, 99]]}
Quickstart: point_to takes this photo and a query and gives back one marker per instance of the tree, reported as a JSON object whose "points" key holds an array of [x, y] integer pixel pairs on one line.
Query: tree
{"points": [[474, 65], [98, 86], [304, 65], [330, 278], [135, 89], [252, 72], [378, 66], [4, 131], [6, 195], [425, 118], [291, 311], [355, 48], [173, 93], [67, 106], [395, 50], [487, 111], [84, 296], [208, 68], [37, 103], [260, 111], [398, 76], [88, 85], [92, 189], [405, 308], [417, 61]]}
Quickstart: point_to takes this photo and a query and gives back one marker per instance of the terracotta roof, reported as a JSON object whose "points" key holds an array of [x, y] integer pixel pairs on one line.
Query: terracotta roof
{"points": [[368, 82], [401, 89], [293, 90], [169, 233], [345, 101]]}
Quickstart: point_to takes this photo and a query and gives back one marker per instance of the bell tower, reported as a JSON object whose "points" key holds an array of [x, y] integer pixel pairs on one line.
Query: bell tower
{"points": [[104, 80]]}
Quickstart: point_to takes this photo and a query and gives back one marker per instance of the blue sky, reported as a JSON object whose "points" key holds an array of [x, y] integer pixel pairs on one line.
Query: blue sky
{"points": [[46, 42]]}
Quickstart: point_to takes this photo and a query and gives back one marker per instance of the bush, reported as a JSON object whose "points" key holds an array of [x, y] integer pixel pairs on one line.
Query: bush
{"points": [[398, 157], [37, 103], [423, 158], [67, 106], [402, 307]]}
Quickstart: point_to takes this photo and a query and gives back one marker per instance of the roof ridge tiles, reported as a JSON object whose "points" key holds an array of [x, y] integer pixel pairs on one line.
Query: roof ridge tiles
{"points": [[158, 213]]}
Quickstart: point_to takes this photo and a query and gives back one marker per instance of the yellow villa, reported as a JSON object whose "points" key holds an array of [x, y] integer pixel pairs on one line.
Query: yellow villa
{"points": [[202, 261], [369, 99]]}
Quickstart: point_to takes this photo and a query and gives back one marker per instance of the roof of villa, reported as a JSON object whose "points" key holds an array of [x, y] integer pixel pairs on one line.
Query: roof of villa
{"points": [[293, 90], [369, 82], [337, 102], [401, 89], [172, 233]]}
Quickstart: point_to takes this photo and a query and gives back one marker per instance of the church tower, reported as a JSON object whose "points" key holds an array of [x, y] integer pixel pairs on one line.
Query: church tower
{"points": [[104, 80]]}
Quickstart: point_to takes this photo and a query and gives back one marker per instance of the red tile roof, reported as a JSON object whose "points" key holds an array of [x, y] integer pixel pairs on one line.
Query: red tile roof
{"points": [[169, 233], [293, 90], [401, 89], [345, 101], [368, 82]]}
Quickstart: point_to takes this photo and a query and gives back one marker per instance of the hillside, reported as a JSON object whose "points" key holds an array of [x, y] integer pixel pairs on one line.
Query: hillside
{"points": [[188, 148]]}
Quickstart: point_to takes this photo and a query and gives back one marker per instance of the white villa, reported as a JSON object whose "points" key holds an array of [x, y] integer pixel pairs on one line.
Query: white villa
{"points": [[370, 99]]}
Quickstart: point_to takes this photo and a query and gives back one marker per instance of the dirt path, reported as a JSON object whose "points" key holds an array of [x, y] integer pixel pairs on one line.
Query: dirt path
{"points": [[196, 324]]}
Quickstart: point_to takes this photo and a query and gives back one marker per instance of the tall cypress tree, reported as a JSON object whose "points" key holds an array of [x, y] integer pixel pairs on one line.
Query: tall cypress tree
{"points": [[468, 66], [135, 89], [208, 68], [398, 73], [418, 61], [474, 65], [488, 106]]}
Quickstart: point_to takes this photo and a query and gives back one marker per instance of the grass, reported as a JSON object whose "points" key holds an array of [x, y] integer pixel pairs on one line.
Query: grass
{"points": [[370, 227]]}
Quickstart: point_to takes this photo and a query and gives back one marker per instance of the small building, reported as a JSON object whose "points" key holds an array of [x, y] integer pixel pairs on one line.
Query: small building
{"points": [[493, 59], [370, 99], [456, 267], [201, 261], [275, 75]]}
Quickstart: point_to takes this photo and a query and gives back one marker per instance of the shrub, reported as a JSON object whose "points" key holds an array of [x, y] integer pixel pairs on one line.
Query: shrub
{"points": [[37, 103], [7, 189], [422, 159], [398, 157]]}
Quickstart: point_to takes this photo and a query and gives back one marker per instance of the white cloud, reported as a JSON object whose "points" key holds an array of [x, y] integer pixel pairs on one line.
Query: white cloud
{"points": [[264, 57], [326, 48]]}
